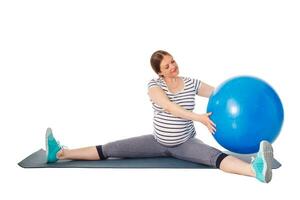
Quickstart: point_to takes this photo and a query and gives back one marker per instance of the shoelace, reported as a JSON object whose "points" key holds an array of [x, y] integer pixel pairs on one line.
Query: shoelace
{"points": [[61, 146], [258, 164], [252, 159]]}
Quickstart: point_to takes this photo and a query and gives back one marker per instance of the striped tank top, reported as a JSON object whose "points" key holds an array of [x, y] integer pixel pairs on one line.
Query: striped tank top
{"points": [[170, 130]]}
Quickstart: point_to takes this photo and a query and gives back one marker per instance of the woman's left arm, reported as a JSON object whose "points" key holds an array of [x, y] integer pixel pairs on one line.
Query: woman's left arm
{"points": [[205, 90]]}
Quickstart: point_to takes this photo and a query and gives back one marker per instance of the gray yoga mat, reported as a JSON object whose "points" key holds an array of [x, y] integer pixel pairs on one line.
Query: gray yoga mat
{"points": [[38, 160]]}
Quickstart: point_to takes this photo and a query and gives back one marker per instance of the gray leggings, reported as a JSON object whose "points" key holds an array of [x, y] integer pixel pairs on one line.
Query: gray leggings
{"points": [[193, 150]]}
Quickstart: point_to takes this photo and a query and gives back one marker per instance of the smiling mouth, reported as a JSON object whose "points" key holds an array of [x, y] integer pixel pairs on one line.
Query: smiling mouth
{"points": [[174, 70]]}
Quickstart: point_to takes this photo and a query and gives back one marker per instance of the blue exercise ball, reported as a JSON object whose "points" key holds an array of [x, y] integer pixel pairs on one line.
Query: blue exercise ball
{"points": [[246, 110]]}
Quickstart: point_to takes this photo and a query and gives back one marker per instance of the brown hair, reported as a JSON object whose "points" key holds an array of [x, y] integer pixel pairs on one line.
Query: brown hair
{"points": [[156, 59]]}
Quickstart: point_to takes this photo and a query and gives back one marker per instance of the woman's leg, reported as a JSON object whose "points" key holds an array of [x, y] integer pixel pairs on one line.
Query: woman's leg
{"points": [[196, 151], [141, 146], [260, 167], [234, 165], [85, 153], [135, 147], [54, 151]]}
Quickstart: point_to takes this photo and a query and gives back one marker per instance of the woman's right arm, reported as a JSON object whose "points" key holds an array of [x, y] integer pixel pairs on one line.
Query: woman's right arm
{"points": [[159, 97]]}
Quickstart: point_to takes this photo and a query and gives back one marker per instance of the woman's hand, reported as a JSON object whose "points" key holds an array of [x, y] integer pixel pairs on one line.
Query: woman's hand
{"points": [[204, 119]]}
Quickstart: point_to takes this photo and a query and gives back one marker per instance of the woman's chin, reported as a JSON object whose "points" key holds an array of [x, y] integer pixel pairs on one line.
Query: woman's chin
{"points": [[176, 73]]}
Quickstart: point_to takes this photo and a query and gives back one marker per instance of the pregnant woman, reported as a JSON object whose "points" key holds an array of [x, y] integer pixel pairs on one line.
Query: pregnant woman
{"points": [[173, 102]]}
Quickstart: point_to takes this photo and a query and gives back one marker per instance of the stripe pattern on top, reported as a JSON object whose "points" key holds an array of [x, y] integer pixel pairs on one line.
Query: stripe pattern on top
{"points": [[170, 130]]}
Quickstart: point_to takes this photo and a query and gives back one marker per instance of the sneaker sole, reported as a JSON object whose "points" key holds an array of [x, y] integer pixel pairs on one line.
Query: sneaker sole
{"points": [[267, 151], [48, 133]]}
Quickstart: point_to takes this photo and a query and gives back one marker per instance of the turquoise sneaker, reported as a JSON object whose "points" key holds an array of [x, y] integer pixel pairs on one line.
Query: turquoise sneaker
{"points": [[262, 164], [52, 147]]}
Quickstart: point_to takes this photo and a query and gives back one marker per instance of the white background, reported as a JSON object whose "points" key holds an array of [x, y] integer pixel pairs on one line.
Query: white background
{"points": [[82, 68]]}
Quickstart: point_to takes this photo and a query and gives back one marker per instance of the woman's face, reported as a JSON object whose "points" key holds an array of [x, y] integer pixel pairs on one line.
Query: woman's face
{"points": [[168, 67]]}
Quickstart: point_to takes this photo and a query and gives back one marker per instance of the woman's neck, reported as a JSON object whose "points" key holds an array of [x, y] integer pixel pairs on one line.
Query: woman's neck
{"points": [[172, 80]]}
